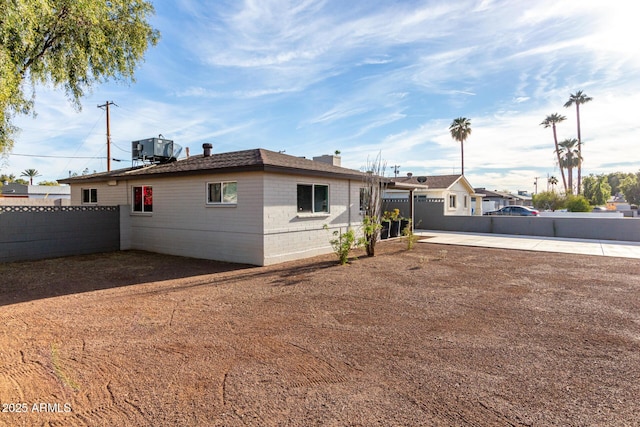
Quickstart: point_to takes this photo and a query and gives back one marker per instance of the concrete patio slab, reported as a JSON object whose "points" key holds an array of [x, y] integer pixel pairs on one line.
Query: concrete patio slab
{"points": [[534, 243]]}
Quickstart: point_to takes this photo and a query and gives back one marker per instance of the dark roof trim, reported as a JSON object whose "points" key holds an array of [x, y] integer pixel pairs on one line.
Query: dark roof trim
{"points": [[122, 175]]}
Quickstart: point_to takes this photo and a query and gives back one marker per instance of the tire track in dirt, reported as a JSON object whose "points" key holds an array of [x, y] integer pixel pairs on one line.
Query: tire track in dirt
{"points": [[97, 391], [267, 368], [18, 374], [9, 363], [297, 366], [109, 398], [465, 412], [107, 414], [312, 370]]}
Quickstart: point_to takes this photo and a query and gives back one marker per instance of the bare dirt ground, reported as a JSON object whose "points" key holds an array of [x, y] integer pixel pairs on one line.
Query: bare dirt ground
{"points": [[441, 336]]}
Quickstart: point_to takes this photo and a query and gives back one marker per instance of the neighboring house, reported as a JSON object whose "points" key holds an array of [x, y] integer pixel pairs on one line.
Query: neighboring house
{"points": [[253, 206], [456, 191], [494, 200], [618, 202], [522, 199], [21, 194]]}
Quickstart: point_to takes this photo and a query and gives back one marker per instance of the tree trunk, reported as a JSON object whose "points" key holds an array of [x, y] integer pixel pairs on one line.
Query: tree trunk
{"points": [[579, 149], [555, 140], [462, 153]]}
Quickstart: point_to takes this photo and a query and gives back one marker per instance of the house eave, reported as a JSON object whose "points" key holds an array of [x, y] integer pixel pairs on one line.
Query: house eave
{"points": [[406, 186], [128, 175]]}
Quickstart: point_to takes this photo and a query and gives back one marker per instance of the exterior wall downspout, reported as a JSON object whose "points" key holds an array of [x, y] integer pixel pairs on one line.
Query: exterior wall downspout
{"points": [[349, 205]]}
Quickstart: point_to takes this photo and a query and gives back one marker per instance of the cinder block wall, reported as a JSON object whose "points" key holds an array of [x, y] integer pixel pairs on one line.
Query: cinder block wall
{"points": [[429, 216], [37, 232]]}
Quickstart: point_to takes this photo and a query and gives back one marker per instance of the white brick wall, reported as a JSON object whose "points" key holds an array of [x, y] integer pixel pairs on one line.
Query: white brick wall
{"points": [[108, 195], [287, 234], [263, 228], [183, 224]]}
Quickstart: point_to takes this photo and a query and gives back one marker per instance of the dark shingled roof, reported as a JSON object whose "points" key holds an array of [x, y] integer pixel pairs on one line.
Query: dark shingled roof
{"points": [[436, 181], [257, 159]]}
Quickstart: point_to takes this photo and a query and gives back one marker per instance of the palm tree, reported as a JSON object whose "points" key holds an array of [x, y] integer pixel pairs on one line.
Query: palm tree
{"points": [[570, 158], [31, 173], [552, 120], [460, 129], [553, 181], [578, 99]]}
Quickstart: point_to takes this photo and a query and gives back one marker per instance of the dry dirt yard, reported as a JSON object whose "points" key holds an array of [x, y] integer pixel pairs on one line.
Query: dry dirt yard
{"points": [[437, 336]]}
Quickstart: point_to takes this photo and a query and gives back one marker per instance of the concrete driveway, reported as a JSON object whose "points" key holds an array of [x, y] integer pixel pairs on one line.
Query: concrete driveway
{"points": [[610, 248]]}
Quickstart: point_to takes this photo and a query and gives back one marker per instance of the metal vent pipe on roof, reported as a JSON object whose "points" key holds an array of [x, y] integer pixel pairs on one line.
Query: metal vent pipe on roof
{"points": [[206, 147]]}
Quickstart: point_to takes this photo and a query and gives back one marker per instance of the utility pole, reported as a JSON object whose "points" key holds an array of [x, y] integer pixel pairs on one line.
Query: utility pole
{"points": [[547, 182], [536, 184], [396, 170], [106, 106]]}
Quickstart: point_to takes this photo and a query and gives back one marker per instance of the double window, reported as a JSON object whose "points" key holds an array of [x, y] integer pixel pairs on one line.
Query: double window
{"points": [[452, 201], [313, 198], [142, 199], [222, 193], [90, 195]]}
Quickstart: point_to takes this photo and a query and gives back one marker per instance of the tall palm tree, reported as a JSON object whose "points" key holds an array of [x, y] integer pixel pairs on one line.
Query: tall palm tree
{"points": [[460, 130], [578, 99], [31, 173], [552, 120], [553, 181], [570, 158]]}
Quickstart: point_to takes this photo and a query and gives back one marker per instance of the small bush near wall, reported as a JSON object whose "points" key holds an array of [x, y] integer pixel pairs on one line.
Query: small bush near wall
{"points": [[344, 243]]}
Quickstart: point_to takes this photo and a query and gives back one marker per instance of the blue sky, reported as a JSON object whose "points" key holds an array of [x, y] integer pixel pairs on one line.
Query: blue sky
{"points": [[366, 77]]}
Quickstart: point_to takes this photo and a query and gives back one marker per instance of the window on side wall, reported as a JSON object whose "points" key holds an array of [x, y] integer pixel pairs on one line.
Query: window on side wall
{"points": [[364, 199], [222, 193], [466, 201], [313, 198], [142, 199], [452, 201], [89, 195]]}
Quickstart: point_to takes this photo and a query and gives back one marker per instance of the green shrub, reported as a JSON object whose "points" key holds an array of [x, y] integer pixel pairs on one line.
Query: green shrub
{"points": [[578, 204], [410, 237], [548, 200], [343, 243]]}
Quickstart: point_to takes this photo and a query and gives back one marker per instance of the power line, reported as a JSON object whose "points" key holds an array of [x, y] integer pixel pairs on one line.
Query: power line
{"points": [[62, 157]]}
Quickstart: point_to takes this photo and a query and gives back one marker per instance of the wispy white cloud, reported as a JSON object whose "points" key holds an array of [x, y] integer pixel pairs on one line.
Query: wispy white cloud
{"points": [[366, 77]]}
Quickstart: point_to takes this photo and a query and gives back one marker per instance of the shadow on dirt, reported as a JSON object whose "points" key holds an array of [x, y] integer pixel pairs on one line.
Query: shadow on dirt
{"points": [[34, 280]]}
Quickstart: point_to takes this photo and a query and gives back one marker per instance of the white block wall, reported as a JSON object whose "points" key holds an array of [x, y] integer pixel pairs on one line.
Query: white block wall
{"points": [[289, 235], [263, 228]]}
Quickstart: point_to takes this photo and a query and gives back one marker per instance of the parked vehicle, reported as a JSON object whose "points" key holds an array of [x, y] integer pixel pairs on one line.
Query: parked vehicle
{"points": [[514, 211]]}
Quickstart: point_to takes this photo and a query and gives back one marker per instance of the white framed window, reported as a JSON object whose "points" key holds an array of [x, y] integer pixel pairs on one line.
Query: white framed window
{"points": [[222, 193], [142, 199], [89, 195], [466, 201], [313, 198], [452, 201]]}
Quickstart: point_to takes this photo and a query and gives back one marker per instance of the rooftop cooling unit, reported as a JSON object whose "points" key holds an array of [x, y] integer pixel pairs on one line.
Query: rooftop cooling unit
{"points": [[155, 150]]}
